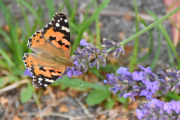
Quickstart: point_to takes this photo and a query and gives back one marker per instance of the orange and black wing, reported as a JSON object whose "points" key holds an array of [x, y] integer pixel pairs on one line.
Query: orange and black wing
{"points": [[43, 72], [58, 33], [45, 75]]}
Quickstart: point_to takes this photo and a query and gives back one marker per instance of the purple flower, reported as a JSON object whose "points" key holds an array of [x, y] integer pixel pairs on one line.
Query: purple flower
{"points": [[147, 70], [144, 83], [138, 76], [123, 71], [140, 113], [105, 81], [152, 86], [27, 72], [130, 94], [72, 72], [118, 49], [88, 57], [83, 42], [147, 94], [159, 109]]}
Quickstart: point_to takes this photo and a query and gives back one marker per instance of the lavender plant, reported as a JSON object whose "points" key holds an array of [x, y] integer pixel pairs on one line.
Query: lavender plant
{"points": [[127, 84], [91, 56], [159, 110], [144, 82]]}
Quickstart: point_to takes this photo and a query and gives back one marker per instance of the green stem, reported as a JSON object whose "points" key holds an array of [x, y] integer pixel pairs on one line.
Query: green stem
{"points": [[98, 41], [149, 27], [136, 42]]}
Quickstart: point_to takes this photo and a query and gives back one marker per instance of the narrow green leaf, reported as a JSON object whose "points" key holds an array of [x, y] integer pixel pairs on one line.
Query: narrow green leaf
{"points": [[50, 5], [97, 96], [158, 51], [38, 96], [165, 34], [61, 7], [67, 3], [96, 72], [133, 60], [74, 27], [63, 86], [109, 103], [31, 9], [75, 82], [149, 27], [25, 17], [73, 13], [86, 24], [123, 100], [3, 81], [7, 58], [26, 93], [150, 40], [4, 64], [172, 96], [6, 36], [98, 41], [171, 59], [12, 79], [87, 10]]}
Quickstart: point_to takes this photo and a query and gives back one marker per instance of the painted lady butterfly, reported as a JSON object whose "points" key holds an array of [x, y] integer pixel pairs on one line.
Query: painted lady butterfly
{"points": [[52, 45]]}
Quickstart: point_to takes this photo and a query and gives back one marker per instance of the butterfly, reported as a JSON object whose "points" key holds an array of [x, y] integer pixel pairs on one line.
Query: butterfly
{"points": [[52, 52]]}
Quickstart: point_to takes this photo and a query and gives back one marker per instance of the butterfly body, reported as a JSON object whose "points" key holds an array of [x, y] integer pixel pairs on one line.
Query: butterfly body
{"points": [[52, 52]]}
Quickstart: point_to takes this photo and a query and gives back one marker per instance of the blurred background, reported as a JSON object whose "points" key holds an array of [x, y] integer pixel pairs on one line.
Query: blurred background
{"points": [[92, 20]]}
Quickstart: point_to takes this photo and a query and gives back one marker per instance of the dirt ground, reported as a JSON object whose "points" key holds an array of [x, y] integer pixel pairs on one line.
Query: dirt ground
{"points": [[118, 23]]}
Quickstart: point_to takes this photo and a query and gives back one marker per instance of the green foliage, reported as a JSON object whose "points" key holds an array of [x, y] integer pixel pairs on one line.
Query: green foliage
{"points": [[124, 101], [77, 84], [158, 51], [51, 9], [85, 25], [100, 92], [109, 103], [97, 96], [172, 96], [133, 61], [27, 93], [150, 40], [167, 38]]}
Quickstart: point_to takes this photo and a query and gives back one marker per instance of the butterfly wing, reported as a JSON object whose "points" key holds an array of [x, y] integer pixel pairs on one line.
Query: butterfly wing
{"points": [[50, 43], [58, 33], [40, 45], [45, 75], [31, 59]]}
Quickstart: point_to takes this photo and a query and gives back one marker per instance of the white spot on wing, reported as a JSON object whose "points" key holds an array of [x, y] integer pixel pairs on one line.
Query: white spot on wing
{"points": [[66, 29], [40, 79], [45, 85], [57, 25], [47, 80], [65, 20]]}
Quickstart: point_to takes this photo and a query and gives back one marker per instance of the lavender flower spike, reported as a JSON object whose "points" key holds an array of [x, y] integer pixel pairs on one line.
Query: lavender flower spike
{"points": [[86, 58], [107, 44], [143, 83], [160, 110]]}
